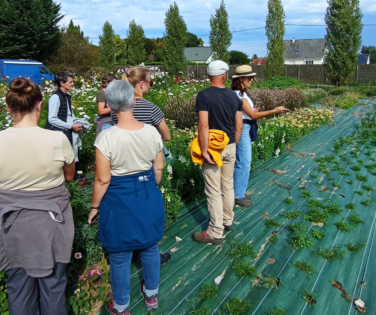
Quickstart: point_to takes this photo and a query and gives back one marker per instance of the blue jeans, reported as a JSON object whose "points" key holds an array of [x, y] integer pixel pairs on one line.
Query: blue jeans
{"points": [[120, 274], [243, 163]]}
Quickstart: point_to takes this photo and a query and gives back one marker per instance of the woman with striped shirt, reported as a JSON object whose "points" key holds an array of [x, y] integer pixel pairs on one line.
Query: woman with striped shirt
{"points": [[145, 111]]}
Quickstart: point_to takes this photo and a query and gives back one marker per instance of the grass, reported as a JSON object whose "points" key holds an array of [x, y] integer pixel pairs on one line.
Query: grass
{"points": [[306, 194], [326, 158], [289, 201], [200, 311], [304, 267], [350, 206], [309, 297], [273, 239], [354, 219], [322, 168], [361, 178], [272, 222], [244, 269], [301, 240], [242, 250], [330, 254], [277, 311], [317, 234], [366, 202], [368, 188], [236, 306], [355, 248], [334, 208], [317, 215], [268, 282], [344, 227], [292, 214], [208, 292]]}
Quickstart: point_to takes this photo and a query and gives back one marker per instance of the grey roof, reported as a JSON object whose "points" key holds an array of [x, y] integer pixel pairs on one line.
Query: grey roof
{"points": [[197, 53], [304, 48], [362, 59]]}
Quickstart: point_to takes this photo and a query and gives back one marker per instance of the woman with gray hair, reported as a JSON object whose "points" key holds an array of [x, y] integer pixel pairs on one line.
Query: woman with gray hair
{"points": [[129, 164]]}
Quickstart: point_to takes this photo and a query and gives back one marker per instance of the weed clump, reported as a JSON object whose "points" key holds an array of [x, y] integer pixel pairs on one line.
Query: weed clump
{"points": [[354, 219], [368, 188], [336, 185], [200, 311], [356, 168], [244, 269], [355, 248], [273, 239], [236, 306], [314, 203], [292, 214], [350, 206], [242, 250], [334, 208], [344, 173], [277, 311], [344, 227], [301, 240], [330, 254], [313, 175], [306, 194], [289, 201], [272, 222], [317, 215], [317, 234], [361, 178], [359, 192], [268, 282], [366, 202], [304, 267], [295, 227], [208, 292], [350, 182], [309, 297]]}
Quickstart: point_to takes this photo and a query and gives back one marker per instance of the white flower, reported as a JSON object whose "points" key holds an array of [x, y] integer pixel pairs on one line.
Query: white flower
{"points": [[277, 152], [170, 93], [182, 159], [77, 292], [80, 108], [169, 169], [192, 182], [162, 190], [168, 198], [82, 113]]}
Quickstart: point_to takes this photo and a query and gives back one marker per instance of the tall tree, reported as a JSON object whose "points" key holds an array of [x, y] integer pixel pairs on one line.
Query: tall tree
{"points": [[370, 50], [136, 44], [275, 29], [174, 42], [121, 50], [220, 35], [29, 29], [343, 38], [193, 41], [107, 47], [74, 28], [238, 58]]}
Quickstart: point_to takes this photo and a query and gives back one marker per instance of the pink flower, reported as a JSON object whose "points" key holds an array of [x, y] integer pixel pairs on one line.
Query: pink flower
{"points": [[95, 272], [78, 255]]}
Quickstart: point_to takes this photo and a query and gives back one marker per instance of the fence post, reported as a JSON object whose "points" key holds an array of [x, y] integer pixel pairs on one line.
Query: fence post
{"points": [[356, 74]]}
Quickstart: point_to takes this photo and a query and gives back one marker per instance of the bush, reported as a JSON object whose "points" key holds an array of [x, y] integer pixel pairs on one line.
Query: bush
{"points": [[314, 95], [291, 98], [348, 100], [280, 83], [181, 111]]}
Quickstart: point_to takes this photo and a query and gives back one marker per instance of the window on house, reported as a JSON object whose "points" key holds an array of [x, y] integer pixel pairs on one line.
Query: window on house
{"points": [[297, 49], [309, 62]]}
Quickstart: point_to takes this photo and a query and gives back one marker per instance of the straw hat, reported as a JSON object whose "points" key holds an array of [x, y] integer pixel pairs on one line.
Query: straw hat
{"points": [[244, 71]]}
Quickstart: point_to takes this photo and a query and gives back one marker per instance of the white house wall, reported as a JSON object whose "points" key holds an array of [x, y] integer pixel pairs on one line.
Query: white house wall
{"points": [[303, 61]]}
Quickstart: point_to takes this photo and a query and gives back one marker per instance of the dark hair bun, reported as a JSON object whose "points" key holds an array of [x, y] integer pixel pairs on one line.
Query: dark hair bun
{"points": [[23, 95]]}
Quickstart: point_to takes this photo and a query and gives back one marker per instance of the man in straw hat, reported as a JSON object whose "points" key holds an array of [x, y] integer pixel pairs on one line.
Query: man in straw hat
{"points": [[218, 108]]}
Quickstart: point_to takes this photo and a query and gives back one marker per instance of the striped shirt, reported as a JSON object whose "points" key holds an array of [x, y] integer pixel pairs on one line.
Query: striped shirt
{"points": [[145, 112]]}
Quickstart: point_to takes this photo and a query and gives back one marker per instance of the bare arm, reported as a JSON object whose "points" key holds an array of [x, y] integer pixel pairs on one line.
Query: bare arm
{"points": [[101, 182], [69, 170], [256, 115], [203, 135], [102, 110], [158, 167], [164, 131], [238, 126]]}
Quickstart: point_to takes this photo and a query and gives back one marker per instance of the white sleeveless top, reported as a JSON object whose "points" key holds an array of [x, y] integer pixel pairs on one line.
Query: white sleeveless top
{"points": [[246, 97]]}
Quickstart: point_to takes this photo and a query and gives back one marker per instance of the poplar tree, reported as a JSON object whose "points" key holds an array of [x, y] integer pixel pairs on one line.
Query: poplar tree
{"points": [[275, 29], [107, 48], [343, 39], [136, 44], [174, 42], [29, 29], [220, 35]]}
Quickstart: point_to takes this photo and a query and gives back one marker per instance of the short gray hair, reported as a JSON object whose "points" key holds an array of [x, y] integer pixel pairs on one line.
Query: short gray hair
{"points": [[119, 95]]}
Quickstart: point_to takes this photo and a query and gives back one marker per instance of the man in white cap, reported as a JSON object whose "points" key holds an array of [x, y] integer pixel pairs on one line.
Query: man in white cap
{"points": [[218, 108]]}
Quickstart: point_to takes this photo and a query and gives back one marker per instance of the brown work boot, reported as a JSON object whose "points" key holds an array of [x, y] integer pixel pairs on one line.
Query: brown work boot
{"points": [[245, 203], [83, 183], [205, 238]]}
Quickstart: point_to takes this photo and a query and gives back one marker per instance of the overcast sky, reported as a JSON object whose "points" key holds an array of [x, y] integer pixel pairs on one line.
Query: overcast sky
{"points": [[246, 14]]}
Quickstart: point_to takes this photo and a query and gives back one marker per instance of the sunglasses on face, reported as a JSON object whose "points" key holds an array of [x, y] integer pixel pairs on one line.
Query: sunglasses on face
{"points": [[151, 83]]}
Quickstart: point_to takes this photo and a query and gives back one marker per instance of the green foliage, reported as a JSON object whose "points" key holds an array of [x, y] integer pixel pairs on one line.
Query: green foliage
{"points": [[347, 100], [29, 29], [289, 201], [238, 58], [314, 95], [350, 206], [326, 158], [315, 203], [309, 297], [136, 44], [268, 282], [277, 311], [334, 208], [236, 306], [273, 239], [272, 222], [344, 173], [368, 188], [175, 39], [317, 215], [359, 192], [317, 234], [244, 269], [121, 50], [295, 227], [301, 240], [354, 219], [366, 202], [361, 178], [3, 294], [305, 194], [200, 311], [330, 254], [275, 29], [356, 168], [304, 267], [355, 248], [280, 83], [193, 41], [242, 250], [313, 175], [344, 28], [292, 214], [208, 292], [343, 226], [107, 47], [181, 111], [220, 35]]}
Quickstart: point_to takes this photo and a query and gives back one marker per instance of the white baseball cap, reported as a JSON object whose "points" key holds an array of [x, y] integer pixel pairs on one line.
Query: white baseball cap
{"points": [[217, 67]]}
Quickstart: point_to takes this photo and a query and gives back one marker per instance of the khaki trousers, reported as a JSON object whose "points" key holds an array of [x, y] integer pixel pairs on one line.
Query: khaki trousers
{"points": [[219, 189]]}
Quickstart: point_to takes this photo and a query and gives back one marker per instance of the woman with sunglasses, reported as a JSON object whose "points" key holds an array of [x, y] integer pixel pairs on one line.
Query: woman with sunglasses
{"points": [[241, 81], [145, 111]]}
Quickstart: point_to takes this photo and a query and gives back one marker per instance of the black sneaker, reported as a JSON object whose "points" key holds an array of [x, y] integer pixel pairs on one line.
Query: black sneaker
{"points": [[245, 203], [228, 227], [165, 258]]}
